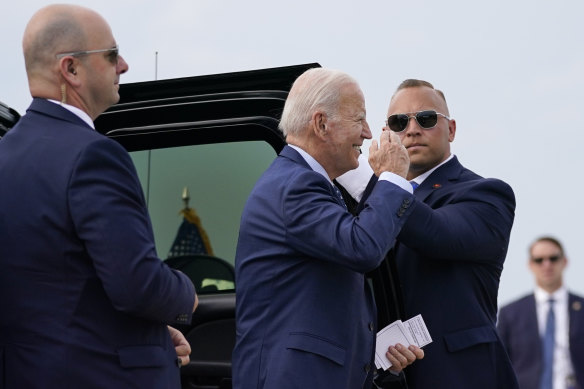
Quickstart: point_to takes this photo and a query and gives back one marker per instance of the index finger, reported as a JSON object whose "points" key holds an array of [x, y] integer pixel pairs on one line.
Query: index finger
{"points": [[373, 148], [384, 137], [394, 137]]}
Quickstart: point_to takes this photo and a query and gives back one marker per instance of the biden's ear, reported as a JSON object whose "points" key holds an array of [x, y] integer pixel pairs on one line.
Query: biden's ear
{"points": [[319, 124]]}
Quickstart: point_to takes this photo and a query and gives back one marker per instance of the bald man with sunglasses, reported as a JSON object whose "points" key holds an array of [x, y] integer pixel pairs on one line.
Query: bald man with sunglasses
{"points": [[523, 324], [449, 255], [85, 301]]}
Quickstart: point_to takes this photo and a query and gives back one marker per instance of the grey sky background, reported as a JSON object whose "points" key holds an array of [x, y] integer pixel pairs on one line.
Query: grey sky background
{"points": [[512, 72]]}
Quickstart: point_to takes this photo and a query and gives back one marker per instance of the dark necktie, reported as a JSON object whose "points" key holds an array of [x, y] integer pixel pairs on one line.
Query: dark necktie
{"points": [[548, 348], [339, 195], [414, 184]]}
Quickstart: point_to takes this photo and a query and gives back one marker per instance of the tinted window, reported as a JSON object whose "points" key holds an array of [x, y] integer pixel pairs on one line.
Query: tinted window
{"points": [[219, 178]]}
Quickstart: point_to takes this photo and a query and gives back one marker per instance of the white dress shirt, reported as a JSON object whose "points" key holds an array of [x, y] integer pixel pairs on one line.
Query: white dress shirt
{"points": [[76, 111], [562, 362], [356, 180], [418, 180], [359, 183]]}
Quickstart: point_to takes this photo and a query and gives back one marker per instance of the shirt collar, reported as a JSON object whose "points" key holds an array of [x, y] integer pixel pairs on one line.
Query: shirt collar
{"points": [[418, 180], [317, 167], [76, 111], [559, 296]]}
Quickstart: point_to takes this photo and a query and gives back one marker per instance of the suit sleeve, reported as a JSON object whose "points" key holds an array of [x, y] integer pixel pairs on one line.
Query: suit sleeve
{"points": [[473, 224], [503, 328], [319, 227], [110, 216]]}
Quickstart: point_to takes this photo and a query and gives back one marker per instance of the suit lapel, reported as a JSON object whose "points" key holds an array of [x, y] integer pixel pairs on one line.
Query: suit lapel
{"points": [[289, 153], [532, 326], [439, 179], [575, 307]]}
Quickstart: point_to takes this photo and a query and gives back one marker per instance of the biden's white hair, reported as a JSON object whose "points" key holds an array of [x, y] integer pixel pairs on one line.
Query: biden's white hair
{"points": [[315, 89]]}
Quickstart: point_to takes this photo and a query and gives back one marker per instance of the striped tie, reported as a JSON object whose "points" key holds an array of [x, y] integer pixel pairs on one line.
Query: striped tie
{"points": [[548, 348], [339, 195]]}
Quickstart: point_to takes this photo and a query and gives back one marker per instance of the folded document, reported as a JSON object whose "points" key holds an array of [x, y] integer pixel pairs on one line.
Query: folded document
{"points": [[412, 331]]}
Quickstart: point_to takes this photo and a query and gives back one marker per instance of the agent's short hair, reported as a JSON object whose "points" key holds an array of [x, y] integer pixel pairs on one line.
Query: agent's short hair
{"points": [[413, 83], [315, 89], [61, 33], [549, 239]]}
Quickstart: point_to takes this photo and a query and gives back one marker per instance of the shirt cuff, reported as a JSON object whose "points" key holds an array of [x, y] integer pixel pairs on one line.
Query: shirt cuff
{"points": [[397, 180]]}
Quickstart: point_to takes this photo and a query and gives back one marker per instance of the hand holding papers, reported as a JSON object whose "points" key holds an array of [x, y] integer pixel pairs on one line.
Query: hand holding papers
{"points": [[412, 331]]}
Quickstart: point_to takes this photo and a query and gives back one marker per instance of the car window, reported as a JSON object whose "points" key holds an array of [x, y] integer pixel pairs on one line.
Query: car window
{"points": [[219, 178]]}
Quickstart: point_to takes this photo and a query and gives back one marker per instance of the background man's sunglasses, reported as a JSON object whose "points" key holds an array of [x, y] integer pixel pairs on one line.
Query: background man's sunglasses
{"points": [[426, 119], [553, 259]]}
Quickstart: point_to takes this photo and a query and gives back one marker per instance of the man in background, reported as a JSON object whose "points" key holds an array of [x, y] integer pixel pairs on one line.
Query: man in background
{"points": [[85, 300], [544, 331], [450, 251], [305, 315]]}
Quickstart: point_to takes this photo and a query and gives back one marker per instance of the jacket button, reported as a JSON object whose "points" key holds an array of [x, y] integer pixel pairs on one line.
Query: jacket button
{"points": [[367, 368], [371, 328]]}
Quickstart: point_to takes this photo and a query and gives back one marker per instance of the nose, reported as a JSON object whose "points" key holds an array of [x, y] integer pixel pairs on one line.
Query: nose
{"points": [[366, 132], [413, 127], [122, 66]]}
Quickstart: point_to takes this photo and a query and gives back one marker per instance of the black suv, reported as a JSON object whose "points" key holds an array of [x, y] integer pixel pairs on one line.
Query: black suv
{"points": [[8, 118], [214, 135]]}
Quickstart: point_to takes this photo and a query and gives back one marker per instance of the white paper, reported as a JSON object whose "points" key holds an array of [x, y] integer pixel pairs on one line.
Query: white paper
{"points": [[418, 331], [412, 331]]}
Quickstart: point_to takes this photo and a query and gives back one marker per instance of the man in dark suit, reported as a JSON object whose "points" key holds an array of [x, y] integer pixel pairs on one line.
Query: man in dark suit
{"points": [[451, 249], [523, 324], [85, 300], [305, 317]]}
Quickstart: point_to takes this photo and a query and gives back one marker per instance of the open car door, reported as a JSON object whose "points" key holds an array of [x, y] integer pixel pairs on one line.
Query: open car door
{"points": [[214, 135]]}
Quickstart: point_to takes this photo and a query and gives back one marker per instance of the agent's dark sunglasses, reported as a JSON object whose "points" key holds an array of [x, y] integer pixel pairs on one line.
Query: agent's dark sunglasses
{"points": [[426, 119], [553, 259]]}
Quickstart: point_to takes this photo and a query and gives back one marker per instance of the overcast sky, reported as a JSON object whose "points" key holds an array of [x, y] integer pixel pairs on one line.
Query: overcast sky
{"points": [[512, 72]]}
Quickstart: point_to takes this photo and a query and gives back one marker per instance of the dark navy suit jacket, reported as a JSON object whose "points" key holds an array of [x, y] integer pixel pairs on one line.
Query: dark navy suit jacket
{"points": [[449, 256], [305, 315], [517, 326], [84, 299]]}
